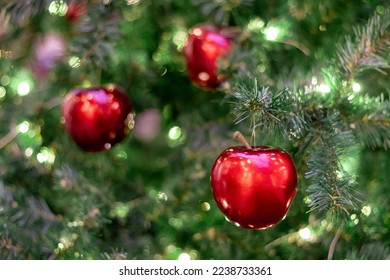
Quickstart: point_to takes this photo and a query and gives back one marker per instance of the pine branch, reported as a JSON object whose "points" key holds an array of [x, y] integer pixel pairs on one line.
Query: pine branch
{"points": [[367, 49], [267, 110], [222, 9], [372, 251], [95, 36], [20, 11], [25, 222], [370, 120], [331, 186]]}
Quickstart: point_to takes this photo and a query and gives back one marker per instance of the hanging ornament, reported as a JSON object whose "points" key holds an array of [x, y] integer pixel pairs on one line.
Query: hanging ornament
{"points": [[97, 118], [148, 125], [75, 10], [205, 45], [48, 51], [254, 186]]}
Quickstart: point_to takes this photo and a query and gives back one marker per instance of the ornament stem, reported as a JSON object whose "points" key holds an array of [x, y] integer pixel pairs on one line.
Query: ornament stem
{"points": [[239, 137]]}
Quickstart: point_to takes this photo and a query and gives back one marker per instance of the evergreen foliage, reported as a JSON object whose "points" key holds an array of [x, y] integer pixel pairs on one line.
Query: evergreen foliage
{"points": [[311, 77]]}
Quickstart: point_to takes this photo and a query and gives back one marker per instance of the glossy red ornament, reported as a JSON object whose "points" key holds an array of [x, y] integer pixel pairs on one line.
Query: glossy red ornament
{"points": [[254, 187], [97, 118], [205, 45]]}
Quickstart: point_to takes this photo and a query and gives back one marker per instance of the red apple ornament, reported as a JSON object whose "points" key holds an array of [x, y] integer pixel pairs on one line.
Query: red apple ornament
{"points": [[205, 45], [97, 118], [254, 186]]}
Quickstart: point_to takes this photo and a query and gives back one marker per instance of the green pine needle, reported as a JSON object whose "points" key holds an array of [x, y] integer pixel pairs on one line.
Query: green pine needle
{"points": [[368, 48], [266, 109]]}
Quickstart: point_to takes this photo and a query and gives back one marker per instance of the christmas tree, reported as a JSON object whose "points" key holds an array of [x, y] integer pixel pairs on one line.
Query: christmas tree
{"points": [[115, 116]]}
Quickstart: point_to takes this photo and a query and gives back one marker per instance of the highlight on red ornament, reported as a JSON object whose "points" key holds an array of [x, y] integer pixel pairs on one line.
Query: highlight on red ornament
{"points": [[254, 186], [206, 43], [97, 118]]}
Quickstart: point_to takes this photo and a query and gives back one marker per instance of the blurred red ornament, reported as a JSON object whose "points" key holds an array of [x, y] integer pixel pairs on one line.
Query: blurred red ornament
{"points": [[254, 187], [205, 45], [48, 51], [75, 10], [97, 118]]}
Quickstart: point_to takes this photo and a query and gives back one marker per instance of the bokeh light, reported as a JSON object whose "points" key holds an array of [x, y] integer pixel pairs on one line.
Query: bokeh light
{"points": [[356, 87], [24, 88], [305, 233], [271, 33]]}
